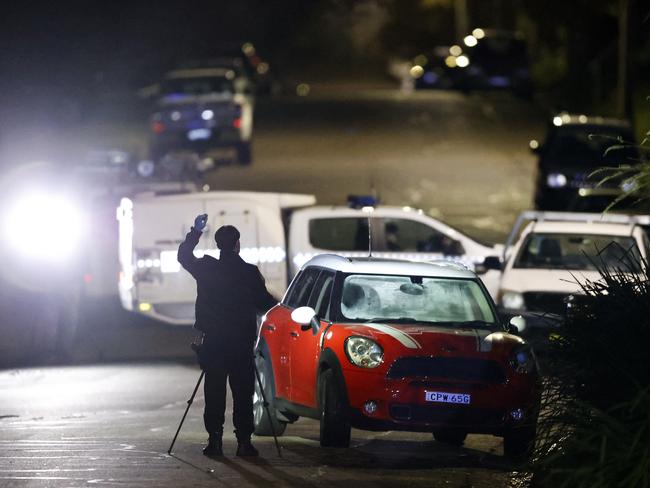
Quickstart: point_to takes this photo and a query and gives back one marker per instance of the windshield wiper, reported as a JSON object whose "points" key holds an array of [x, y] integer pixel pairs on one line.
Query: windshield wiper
{"points": [[399, 320], [482, 324]]}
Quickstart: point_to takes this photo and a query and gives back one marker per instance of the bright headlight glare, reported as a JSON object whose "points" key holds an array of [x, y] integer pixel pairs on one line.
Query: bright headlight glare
{"points": [[44, 226], [363, 352], [512, 300], [556, 180], [523, 360]]}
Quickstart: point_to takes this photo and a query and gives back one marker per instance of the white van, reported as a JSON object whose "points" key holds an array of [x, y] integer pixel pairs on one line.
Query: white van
{"points": [[279, 233]]}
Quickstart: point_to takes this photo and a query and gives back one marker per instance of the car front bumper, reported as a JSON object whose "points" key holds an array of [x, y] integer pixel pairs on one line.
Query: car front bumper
{"points": [[400, 404]]}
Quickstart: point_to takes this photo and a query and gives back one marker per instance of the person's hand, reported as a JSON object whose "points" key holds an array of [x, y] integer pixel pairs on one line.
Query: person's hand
{"points": [[200, 222]]}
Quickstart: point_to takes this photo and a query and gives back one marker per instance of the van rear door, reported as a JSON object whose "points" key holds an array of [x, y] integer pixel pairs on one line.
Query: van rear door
{"points": [[160, 225]]}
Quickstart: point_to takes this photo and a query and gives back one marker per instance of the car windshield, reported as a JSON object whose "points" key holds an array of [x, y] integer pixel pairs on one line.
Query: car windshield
{"points": [[202, 85], [588, 146], [579, 252], [416, 299]]}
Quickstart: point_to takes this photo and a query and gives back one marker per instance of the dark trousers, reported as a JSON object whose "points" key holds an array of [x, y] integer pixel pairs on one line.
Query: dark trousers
{"points": [[238, 370]]}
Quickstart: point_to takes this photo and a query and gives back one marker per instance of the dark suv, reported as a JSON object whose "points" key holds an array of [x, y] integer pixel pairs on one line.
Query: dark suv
{"points": [[576, 146]]}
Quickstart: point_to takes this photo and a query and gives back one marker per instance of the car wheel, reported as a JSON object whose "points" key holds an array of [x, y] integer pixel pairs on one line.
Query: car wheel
{"points": [[518, 444], [244, 154], [335, 429], [450, 436], [265, 420]]}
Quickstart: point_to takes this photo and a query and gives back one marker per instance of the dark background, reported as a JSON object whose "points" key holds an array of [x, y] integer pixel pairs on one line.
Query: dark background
{"points": [[62, 61]]}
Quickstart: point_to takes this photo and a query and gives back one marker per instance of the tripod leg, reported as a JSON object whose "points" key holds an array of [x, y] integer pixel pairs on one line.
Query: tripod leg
{"points": [[266, 406], [189, 404]]}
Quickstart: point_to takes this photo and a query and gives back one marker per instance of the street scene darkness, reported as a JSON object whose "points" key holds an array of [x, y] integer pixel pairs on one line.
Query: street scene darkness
{"points": [[446, 201]]}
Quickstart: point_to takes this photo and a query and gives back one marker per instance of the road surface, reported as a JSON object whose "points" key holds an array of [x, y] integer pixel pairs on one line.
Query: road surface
{"points": [[111, 425]]}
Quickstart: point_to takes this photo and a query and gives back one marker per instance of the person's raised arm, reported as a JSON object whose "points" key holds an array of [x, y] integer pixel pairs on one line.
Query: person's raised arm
{"points": [[186, 250]]}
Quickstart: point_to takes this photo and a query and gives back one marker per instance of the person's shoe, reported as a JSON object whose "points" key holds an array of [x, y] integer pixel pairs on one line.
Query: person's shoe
{"points": [[246, 449], [214, 448]]}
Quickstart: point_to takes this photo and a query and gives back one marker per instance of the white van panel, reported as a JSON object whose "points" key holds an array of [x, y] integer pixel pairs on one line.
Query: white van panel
{"points": [[160, 287], [302, 249]]}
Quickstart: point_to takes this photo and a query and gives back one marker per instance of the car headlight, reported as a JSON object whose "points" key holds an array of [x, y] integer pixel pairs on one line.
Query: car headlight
{"points": [[556, 180], [57, 222], [512, 300], [363, 352], [523, 360]]}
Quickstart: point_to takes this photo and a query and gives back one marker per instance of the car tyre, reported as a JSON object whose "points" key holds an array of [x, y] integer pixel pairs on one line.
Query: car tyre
{"points": [[265, 419], [450, 436], [335, 429], [244, 156], [518, 444]]}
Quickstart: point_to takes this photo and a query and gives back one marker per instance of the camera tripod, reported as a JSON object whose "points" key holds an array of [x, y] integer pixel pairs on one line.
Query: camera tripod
{"points": [[265, 403]]}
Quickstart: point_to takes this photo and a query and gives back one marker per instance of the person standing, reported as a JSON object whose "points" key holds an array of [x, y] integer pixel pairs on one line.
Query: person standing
{"points": [[230, 294]]}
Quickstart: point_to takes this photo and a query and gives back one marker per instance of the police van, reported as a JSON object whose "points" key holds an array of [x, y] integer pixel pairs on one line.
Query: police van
{"points": [[279, 233]]}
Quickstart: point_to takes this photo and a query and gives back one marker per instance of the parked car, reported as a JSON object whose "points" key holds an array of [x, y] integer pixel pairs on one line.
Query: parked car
{"points": [[395, 345], [576, 146], [556, 251], [434, 70], [204, 111], [494, 60]]}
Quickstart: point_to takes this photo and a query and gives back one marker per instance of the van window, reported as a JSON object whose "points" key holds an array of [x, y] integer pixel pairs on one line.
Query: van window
{"points": [[301, 288], [403, 235], [339, 234], [320, 295]]}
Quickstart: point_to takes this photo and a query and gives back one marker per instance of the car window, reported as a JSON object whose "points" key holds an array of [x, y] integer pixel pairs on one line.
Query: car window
{"points": [[320, 295], [578, 252], [417, 299], [197, 86], [412, 236], [339, 234], [301, 290]]}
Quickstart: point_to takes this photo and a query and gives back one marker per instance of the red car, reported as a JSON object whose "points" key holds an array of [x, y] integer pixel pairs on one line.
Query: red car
{"points": [[395, 345]]}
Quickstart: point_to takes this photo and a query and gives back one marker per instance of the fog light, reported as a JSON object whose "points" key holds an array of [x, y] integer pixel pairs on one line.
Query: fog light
{"points": [[370, 407], [144, 307], [517, 414]]}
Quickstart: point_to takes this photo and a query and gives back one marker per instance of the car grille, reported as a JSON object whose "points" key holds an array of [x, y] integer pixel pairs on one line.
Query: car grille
{"points": [[545, 302], [459, 415], [464, 369]]}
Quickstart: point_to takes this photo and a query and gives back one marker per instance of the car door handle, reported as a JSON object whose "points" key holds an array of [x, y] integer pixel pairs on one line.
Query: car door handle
{"points": [[270, 327], [293, 334]]}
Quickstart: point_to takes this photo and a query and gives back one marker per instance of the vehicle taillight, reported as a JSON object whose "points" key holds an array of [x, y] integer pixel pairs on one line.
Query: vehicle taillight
{"points": [[236, 123], [158, 127]]}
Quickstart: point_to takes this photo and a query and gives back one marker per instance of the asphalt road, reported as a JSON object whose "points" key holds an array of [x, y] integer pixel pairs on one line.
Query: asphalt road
{"points": [[112, 426]]}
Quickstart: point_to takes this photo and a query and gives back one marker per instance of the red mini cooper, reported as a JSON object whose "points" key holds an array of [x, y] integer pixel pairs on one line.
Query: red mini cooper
{"points": [[395, 345]]}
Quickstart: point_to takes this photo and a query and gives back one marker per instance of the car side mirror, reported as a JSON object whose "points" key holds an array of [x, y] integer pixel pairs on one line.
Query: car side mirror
{"points": [[517, 325], [490, 262], [306, 317]]}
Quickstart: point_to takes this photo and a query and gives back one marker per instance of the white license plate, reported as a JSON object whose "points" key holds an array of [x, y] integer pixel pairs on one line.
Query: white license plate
{"points": [[443, 397], [199, 134]]}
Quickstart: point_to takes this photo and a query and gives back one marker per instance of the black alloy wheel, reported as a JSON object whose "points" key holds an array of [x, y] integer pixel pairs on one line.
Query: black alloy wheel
{"points": [[265, 420], [518, 444], [335, 429]]}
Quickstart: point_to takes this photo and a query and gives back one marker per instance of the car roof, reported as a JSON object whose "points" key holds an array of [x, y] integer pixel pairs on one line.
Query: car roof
{"points": [[200, 73], [370, 265], [569, 119], [599, 228]]}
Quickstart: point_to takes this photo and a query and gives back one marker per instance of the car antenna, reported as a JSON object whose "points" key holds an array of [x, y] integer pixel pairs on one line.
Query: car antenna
{"points": [[369, 237]]}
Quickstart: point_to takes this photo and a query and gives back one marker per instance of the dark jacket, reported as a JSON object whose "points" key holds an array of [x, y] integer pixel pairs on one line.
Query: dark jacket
{"points": [[230, 294]]}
